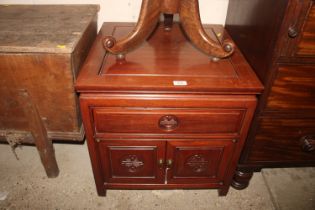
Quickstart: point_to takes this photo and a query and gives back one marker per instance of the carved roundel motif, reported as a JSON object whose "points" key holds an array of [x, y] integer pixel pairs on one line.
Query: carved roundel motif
{"points": [[197, 163], [132, 163]]}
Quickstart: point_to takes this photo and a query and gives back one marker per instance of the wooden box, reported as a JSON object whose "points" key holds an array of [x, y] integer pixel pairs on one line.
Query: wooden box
{"points": [[41, 51]]}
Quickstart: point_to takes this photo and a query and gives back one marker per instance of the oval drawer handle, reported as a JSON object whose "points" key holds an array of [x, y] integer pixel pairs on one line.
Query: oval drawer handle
{"points": [[308, 143], [168, 122]]}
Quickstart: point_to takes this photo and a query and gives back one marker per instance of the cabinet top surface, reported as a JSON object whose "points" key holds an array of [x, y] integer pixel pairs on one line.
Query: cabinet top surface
{"points": [[43, 28], [165, 62]]}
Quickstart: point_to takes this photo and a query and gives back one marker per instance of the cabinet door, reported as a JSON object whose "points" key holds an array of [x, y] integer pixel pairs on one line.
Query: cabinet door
{"points": [[130, 161], [198, 161]]}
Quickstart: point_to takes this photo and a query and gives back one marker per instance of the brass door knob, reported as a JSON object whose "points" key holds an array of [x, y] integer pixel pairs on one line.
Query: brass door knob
{"points": [[169, 163], [161, 163]]}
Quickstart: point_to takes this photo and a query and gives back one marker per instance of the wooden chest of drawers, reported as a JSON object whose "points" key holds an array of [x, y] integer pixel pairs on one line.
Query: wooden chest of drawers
{"points": [[145, 131], [278, 40]]}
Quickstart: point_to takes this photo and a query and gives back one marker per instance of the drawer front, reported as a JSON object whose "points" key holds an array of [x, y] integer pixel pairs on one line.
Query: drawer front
{"points": [[163, 121], [284, 140], [132, 161], [298, 33], [293, 89], [202, 162], [306, 45]]}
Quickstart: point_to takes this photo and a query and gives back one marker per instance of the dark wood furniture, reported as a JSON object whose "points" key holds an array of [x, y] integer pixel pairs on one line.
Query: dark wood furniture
{"points": [[166, 117], [278, 40], [188, 11], [42, 49]]}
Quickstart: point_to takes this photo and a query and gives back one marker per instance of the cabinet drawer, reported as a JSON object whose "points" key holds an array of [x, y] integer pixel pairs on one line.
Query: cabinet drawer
{"points": [[298, 34], [293, 89], [306, 45], [162, 121], [281, 140]]}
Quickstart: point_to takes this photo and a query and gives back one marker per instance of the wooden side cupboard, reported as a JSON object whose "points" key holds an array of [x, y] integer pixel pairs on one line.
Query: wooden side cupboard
{"points": [[278, 40], [166, 116]]}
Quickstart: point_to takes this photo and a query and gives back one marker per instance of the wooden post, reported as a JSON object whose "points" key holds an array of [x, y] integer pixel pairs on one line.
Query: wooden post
{"points": [[39, 132]]}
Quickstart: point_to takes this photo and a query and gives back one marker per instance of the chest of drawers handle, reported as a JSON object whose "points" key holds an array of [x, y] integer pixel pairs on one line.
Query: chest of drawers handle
{"points": [[308, 143], [168, 122], [292, 32]]}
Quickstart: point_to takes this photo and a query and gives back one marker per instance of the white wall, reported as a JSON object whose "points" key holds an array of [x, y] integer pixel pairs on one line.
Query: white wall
{"points": [[212, 11]]}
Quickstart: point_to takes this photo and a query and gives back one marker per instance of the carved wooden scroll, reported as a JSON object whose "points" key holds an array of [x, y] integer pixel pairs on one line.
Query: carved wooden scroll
{"points": [[188, 11]]}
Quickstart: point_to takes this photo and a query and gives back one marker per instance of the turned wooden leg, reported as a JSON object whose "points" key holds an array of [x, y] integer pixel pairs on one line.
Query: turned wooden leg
{"points": [[148, 18], [241, 179], [191, 23]]}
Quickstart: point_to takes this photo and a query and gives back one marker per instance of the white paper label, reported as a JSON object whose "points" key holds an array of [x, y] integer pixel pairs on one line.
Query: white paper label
{"points": [[179, 83]]}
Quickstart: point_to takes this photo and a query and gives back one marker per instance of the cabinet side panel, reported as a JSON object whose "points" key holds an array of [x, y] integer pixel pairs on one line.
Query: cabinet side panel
{"points": [[253, 25], [48, 80]]}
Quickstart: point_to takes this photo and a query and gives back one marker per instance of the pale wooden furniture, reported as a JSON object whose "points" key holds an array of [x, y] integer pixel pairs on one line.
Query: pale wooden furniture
{"points": [[41, 51]]}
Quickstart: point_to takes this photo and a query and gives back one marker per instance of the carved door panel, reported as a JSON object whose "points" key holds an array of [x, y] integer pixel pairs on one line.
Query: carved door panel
{"points": [[130, 161], [198, 161]]}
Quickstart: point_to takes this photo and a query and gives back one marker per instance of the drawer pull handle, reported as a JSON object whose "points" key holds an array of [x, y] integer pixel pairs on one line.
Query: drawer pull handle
{"points": [[169, 163], [292, 32], [308, 143], [168, 122], [160, 163]]}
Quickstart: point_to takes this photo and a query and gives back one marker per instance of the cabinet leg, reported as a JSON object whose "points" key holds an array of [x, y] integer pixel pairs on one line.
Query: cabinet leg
{"points": [[101, 192], [241, 179], [223, 191]]}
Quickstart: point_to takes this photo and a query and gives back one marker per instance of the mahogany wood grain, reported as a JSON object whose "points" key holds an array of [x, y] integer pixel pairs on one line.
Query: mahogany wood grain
{"points": [[278, 140], [296, 33], [306, 44], [293, 89]]}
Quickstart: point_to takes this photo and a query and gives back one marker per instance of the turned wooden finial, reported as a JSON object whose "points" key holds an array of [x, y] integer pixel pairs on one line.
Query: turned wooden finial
{"points": [[188, 11]]}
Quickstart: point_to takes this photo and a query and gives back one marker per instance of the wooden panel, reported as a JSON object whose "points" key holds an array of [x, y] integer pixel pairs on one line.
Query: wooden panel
{"points": [[253, 25], [278, 140], [148, 120], [49, 81], [132, 161], [293, 89], [199, 161], [306, 46], [43, 28]]}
